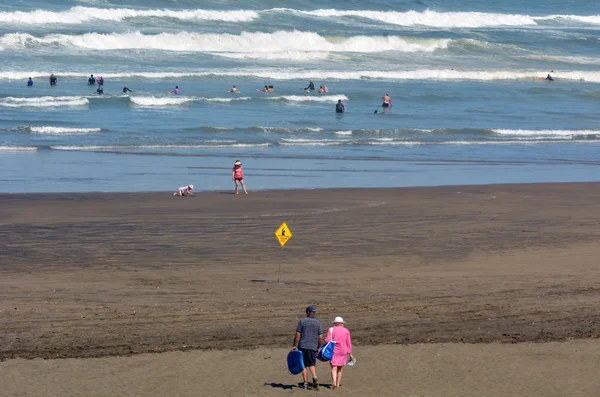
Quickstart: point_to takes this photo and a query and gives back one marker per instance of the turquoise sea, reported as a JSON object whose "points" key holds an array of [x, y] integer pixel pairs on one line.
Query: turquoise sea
{"points": [[470, 104]]}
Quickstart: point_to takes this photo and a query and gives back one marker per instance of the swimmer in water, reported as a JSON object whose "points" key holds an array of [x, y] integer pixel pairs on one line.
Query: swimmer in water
{"points": [[387, 101], [126, 90], [92, 80], [549, 78], [233, 89], [175, 91], [99, 90], [53, 80], [339, 107], [30, 82]]}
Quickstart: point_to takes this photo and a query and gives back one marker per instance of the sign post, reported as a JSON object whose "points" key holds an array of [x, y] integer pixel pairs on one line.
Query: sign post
{"points": [[283, 234]]}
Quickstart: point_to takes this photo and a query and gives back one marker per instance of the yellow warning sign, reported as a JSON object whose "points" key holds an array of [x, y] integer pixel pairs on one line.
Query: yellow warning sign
{"points": [[283, 234]]}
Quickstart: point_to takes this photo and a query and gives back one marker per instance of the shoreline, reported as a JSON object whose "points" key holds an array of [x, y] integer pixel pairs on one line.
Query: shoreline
{"points": [[317, 189], [93, 275]]}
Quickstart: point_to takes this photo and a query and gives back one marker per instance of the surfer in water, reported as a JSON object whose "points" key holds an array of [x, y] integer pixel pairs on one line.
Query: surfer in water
{"points": [[311, 87], [233, 89], [53, 80], [339, 107], [549, 78], [176, 91], [92, 80], [126, 90]]}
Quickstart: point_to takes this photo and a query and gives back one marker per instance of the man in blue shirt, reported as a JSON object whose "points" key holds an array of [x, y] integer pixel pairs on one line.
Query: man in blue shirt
{"points": [[29, 82], [308, 339]]}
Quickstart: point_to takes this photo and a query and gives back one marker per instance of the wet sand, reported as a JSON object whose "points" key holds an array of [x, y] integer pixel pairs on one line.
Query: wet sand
{"points": [[93, 275]]}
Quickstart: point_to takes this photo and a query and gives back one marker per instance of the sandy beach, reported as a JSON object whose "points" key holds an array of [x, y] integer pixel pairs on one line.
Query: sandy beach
{"points": [[472, 273]]}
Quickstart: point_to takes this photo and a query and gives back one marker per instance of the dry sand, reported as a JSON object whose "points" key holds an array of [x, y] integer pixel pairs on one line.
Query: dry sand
{"points": [[92, 275]]}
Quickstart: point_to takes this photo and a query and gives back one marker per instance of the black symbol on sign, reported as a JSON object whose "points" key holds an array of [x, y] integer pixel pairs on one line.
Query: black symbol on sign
{"points": [[283, 232]]}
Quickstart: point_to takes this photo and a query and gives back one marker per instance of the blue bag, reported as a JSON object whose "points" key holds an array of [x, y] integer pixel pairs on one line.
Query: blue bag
{"points": [[295, 362], [326, 351]]}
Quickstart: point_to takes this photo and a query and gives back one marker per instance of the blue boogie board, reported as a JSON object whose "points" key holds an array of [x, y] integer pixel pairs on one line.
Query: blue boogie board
{"points": [[295, 362]]}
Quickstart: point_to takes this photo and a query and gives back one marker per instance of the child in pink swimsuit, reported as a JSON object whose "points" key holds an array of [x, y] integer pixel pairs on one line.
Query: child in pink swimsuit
{"points": [[237, 174]]}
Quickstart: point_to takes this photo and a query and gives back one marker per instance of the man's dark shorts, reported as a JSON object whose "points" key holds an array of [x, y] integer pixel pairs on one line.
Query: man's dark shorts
{"points": [[309, 357]]}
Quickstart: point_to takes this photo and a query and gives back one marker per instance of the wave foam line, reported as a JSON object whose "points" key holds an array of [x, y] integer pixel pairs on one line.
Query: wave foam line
{"points": [[546, 132], [158, 147], [280, 42], [18, 149], [432, 18], [61, 130], [149, 101], [428, 18], [310, 98], [41, 102], [295, 74], [80, 15], [435, 19]]}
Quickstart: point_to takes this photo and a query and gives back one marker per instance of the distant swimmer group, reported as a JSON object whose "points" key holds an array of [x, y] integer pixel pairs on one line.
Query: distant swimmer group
{"points": [[267, 88], [311, 87]]}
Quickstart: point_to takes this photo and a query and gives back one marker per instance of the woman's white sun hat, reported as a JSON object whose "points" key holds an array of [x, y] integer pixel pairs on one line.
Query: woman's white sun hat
{"points": [[338, 319], [192, 187], [237, 162]]}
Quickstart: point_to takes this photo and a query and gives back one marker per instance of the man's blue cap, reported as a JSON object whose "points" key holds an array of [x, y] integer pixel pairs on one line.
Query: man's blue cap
{"points": [[310, 309]]}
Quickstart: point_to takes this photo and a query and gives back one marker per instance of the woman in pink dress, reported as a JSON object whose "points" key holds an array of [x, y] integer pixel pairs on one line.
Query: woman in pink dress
{"points": [[343, 350]]}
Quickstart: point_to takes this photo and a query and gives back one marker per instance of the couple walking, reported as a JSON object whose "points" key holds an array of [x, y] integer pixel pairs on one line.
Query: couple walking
{"points": [[309, 338]]}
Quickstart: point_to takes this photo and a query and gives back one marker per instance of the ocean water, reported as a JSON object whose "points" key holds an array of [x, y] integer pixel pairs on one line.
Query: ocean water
{"points": [[470, 104]]}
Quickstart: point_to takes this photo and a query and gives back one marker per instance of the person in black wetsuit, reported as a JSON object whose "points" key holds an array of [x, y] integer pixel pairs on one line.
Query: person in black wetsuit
{"points": [[126, 90], [92, 80], [52, 79], [311, 86], [339, 106], [549, 78]]}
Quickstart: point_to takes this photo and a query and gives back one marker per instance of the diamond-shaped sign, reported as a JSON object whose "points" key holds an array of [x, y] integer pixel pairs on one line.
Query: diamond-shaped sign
{"points": [[283, 234]]}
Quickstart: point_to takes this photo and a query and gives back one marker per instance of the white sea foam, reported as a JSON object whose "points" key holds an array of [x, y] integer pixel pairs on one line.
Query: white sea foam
{"points": [[299, 56], [343, 133], [254, 43], [159, 101], [18, 149], [149, 101], [310, 98], [546, 132], [80, 15], [311, 142], [432, 18], [590, 19], [159, 147], [45, 101], [298, 74], [62, 130]]}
